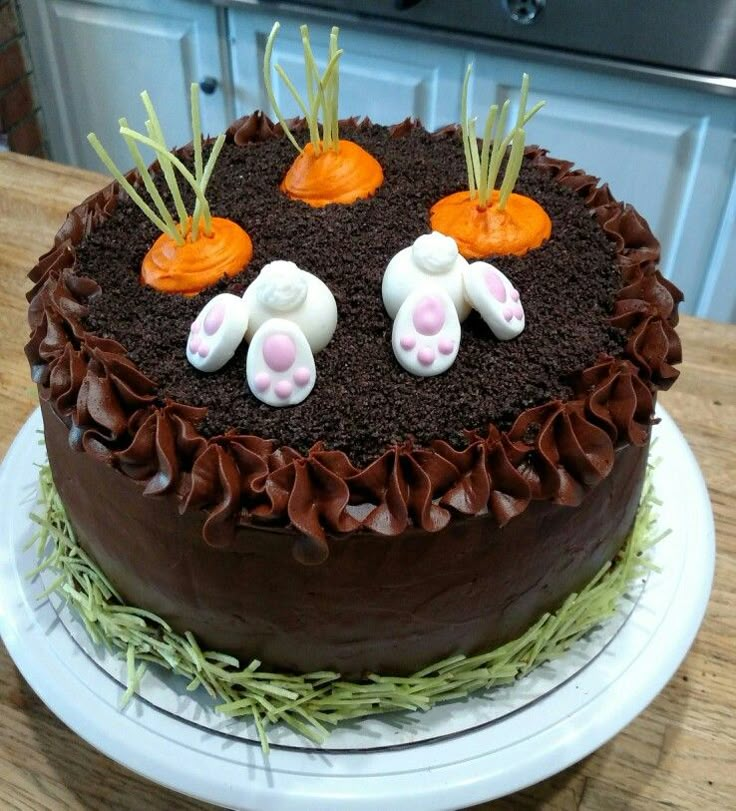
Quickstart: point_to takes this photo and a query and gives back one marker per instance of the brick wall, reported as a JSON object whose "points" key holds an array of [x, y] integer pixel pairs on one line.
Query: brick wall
{"points": [[20, 119]]}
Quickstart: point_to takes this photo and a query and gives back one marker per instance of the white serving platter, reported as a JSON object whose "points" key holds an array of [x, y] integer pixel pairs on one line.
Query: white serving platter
{"points": [[457, 755]]}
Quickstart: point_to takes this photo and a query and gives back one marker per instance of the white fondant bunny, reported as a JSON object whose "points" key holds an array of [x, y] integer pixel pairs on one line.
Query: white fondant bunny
{"points": [[432, 258], [284, 290]]}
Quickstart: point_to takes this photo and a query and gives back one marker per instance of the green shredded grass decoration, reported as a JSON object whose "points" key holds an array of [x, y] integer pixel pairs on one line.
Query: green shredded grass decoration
{"points": [[201, 217], [483, 166], [313, 703], [322, 91]]}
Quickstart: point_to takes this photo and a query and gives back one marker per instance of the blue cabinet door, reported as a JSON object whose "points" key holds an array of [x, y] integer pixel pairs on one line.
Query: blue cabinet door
{"points": [[92, 60], [382, 76]]}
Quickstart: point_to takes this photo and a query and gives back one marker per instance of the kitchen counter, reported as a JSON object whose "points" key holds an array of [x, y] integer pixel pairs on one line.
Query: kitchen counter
{"points": [[679, 753]]}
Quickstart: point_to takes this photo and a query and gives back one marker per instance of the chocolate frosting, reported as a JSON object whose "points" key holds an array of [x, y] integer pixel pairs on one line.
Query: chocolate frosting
{"points": [[378, 603], [557, 451]]}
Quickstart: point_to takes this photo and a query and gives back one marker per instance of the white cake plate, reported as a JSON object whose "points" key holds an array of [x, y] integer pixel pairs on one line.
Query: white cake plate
{"points": [[469, 767]]}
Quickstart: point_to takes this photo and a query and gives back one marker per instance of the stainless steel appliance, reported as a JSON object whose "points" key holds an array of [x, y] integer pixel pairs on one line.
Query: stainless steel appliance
{"points": [[684, 42]]}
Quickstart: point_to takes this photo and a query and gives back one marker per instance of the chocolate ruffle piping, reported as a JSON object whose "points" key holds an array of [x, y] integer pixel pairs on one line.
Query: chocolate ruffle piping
{"points": [[556, 451]]}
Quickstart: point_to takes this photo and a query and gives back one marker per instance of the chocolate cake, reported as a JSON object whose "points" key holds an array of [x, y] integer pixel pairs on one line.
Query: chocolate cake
{"points": [[389, 520]]}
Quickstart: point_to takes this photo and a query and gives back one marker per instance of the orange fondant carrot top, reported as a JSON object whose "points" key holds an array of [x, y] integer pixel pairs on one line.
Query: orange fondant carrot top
{"points": [[327, 169], [484, 220], [194, 252]]}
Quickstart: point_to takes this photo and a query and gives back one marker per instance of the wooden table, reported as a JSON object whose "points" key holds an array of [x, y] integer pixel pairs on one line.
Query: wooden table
{"points": [[679, 753]]}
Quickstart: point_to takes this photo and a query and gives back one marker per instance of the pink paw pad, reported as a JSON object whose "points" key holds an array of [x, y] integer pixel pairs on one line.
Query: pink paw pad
{"points": [[428, 316], [262, 381], [279, 351], [426, 333], [283, 389], [215, 317], [496, 299], [280, 368], [426, 356], [216, 332]]}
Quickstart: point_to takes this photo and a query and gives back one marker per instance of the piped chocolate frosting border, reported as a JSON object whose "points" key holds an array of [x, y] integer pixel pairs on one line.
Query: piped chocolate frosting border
{"points": [[556, 451]]}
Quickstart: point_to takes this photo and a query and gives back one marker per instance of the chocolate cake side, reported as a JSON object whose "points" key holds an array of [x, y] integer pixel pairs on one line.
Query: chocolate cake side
{"points": [[428, 537], [381, 604]]}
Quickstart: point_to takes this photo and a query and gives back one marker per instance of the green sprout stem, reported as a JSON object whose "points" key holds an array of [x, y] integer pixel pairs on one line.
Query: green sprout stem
{"points": [[333, 91], [312, 703], [322, 91], [166, 157], [140, 165], [497, 152], [466, 139], [198, 168], [196, 130], [484, 166], [201, 207], [170, 164], [153, 126], [130, 190], [312, 77], [269, 87], [513, 167], [306, 111], [487, 136]]}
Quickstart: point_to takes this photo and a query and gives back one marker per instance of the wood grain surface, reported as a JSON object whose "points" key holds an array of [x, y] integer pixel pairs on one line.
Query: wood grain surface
{"points": [[679, 753]]}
